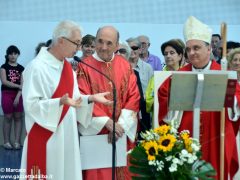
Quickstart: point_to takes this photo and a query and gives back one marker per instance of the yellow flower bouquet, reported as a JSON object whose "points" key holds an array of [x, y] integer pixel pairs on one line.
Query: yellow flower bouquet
{"points": [[166, 154]]}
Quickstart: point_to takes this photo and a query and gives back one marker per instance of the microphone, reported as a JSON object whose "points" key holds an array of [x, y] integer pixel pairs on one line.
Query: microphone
{"points": [[113, 114], [77, 59]]}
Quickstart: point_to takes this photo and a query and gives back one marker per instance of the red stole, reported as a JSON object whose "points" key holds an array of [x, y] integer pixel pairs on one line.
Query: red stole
{"points": [[39, 136], [237, 94]]}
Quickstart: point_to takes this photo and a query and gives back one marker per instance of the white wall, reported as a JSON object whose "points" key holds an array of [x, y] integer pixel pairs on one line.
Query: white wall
{"points": [[26, 35], [123, 11]]}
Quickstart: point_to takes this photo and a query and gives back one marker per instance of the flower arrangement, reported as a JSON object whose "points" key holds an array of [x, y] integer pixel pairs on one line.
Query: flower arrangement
{"points": [[166, 154]]}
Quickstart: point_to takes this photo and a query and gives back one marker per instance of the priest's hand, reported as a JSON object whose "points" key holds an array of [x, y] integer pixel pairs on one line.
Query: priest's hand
{"points": [[119, 131], [100, 98], [110, 137], [65, 99]]}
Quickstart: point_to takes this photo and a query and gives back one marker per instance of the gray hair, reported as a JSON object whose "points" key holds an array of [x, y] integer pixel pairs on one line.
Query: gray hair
{"points": [[134, 40], [65, 29], [128, 49], [144, 36]]}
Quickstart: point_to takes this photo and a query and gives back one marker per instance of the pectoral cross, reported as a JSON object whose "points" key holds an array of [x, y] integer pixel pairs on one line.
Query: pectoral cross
{"points": [[80, 73]]}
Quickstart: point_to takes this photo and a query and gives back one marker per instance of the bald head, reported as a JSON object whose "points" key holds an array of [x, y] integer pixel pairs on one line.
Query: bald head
{"points": [[107, 38], [109, 30]]}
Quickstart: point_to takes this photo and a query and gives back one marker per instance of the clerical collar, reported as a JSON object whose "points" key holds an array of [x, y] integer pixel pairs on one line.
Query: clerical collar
{"points": [[49, 58], [99, 59], [206, 67]]}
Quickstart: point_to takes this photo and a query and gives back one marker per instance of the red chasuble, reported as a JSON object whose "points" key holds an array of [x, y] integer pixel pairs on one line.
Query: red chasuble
{"points": [[39, 136], [91, 82], [209, 129], [237, 95]]}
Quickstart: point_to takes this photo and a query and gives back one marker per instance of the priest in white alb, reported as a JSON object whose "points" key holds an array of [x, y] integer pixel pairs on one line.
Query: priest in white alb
{"points": [[53, 105]]}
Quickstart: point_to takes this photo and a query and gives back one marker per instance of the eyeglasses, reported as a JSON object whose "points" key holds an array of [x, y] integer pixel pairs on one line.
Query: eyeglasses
{"points": [[77, 44], [134, 48], [121, 51]]}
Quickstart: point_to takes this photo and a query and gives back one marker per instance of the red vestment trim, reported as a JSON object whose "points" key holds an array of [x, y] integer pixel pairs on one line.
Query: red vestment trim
{"points": [[39, 136]]}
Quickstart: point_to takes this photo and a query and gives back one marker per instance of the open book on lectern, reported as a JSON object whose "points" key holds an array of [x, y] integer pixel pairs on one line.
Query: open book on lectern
{"points": [[217, 90]]}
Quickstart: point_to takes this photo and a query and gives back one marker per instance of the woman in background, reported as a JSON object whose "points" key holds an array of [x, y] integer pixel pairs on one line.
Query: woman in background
{"points": [[173, 52], [234, 65], [12, 105], [234, 61], [88, 48]]}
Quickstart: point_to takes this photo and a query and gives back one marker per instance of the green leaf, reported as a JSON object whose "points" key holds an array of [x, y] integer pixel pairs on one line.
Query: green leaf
{"points": [[138, 157], [139, 162], [203, 170], [141, 178], [138, 152], [146, 171]]}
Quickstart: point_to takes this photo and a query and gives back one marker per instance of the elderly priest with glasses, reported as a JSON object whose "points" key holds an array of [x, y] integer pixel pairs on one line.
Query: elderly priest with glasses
{"points": [[53, 105]]}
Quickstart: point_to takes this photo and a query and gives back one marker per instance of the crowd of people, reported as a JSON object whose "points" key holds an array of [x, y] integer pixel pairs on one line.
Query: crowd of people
{"points": [[60, 100]]}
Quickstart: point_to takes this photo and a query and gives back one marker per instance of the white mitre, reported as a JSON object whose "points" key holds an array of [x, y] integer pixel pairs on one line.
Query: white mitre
{"points": [[195, 29]]}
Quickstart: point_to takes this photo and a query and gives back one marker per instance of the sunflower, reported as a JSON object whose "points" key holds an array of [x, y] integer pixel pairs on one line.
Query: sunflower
{"points": [[166, 142], [161, 130], [151, 149], [184, 135], [187, 141]]}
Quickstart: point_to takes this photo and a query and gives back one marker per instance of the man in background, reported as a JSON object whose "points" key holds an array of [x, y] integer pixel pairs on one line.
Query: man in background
{"points": [[216, 38], [145, 55]]}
